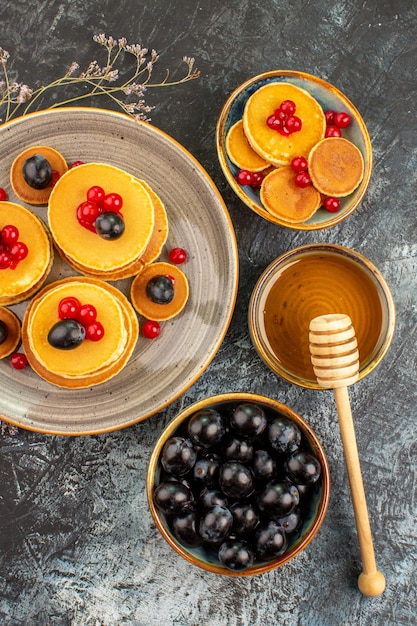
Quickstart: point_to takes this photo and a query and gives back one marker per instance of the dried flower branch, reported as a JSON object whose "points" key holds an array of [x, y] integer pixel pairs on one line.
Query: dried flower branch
{"points": [[100, 80]]}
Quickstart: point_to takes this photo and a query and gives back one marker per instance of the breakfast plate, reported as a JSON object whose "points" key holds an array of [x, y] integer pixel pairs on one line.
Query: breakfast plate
{"points": [[159, 370]]}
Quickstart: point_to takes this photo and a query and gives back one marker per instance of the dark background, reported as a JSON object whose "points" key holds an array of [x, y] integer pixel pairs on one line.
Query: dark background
{"points": [[77, 543]]}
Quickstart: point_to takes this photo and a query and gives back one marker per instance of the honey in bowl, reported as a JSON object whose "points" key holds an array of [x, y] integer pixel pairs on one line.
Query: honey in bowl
{"points": [[317, 280]]}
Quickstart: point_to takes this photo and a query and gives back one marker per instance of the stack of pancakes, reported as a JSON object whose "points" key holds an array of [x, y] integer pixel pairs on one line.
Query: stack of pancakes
{"points": [[144, 215], [23, 281], [92, 362], [335, 165]]}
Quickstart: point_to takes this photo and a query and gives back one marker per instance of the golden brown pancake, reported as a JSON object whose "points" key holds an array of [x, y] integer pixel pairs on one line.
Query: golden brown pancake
{"points": [[283, 199], [21, 188], [268, 143], [20, 283], [152, 310], [240, 152], [335, 166], [12, 340]]}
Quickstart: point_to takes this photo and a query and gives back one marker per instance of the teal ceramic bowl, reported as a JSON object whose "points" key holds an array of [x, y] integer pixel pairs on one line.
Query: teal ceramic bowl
{"points": [[315, 500], [329, 97]]}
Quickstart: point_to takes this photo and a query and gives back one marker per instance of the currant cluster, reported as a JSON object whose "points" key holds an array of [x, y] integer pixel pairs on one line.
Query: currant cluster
{"points": [[253, 179], [237, 482], [283, 119], [12, 251], [101, 213], [302, 179], [335, 122], [77, 322]]}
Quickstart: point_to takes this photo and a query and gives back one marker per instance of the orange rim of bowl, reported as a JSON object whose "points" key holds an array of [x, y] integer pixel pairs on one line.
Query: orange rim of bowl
{"points": [[222, 155], [255, 309], [313, 442]]}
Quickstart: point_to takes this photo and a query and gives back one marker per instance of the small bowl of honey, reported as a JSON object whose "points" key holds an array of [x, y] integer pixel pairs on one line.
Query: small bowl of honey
{"points": [[313, 280]]}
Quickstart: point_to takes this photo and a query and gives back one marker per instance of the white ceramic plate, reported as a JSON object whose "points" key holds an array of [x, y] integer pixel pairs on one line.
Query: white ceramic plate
{"points": [[162, 369]]}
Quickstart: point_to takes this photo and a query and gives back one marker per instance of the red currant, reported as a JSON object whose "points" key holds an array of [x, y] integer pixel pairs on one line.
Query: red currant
{"points": [[299, 164], [5, 260], [151, 329], [94, 331], [87, 212], [112, 202], [332, 204], [9, 235], [55, 177], [96, 194], [333, 131], [18, 251], [86, 314], [288, 107], [283, 131], [244, 177], [293, 123], [302, 179], [273, 122], [18, 361], [177, 256], [3, 194], [257, 180], [76, 163], [68, 308], [342, 119], [329, 115]]}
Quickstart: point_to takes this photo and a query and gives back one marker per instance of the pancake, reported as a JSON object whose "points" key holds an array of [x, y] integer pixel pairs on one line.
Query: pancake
{"points": [[100, 360], [152, 310], [21, 188], [283, 199], [12, 340], [268, 143], [240, 152], [22, 282], [86, 248], [336, 166]]}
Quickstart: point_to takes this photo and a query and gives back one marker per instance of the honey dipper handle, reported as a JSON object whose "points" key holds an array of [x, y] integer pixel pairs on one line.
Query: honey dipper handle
{"points": [[371, 582]]}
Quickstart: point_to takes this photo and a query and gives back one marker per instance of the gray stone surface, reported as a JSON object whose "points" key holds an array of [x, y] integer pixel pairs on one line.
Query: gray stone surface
{"points": [[77, 544]]}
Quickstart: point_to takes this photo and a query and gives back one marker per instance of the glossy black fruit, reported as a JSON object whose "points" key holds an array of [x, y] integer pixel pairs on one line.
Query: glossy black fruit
{"points": [[173, 497], [264, 465], [66, 334], [206, 470], [277, 499], [245, 517], [178, 456], [37, 172], [160, 289], [206, 428], [4, 331], [236, 554], [270, 541], [215, 524], [303, 468], [236, 480], [292, 522], [185, 526], [210, 497], [248, 420], [284, 435], [109, 225], [238, 449]]}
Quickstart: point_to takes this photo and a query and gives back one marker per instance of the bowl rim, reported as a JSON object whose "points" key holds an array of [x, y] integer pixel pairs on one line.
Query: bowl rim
{"points": [[334, 218], [255, 310], [271, 404]]}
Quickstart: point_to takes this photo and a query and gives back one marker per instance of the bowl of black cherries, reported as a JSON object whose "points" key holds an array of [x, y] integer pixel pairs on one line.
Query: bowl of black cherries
{"points": [[238, 484]]}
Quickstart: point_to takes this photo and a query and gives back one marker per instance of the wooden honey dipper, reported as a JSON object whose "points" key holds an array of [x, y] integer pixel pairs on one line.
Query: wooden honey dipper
{"points": [[335, 359]]}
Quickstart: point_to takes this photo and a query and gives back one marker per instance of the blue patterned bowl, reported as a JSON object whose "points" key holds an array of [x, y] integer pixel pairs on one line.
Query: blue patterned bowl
{"points": [[316, 504], [329, 98]]}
